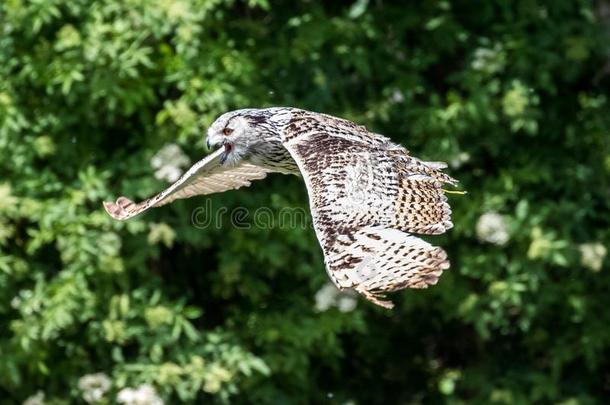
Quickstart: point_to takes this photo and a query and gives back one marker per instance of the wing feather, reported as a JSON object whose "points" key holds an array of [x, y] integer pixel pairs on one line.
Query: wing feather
{"points": [[366, 198], [207, 176]]}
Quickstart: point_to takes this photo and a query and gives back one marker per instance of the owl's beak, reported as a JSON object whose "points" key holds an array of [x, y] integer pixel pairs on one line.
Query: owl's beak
{"points": [[215, 142], [212, 142]]}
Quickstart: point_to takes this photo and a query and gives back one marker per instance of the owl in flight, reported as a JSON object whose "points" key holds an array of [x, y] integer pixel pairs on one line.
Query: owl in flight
{"points": [[366, 194]]}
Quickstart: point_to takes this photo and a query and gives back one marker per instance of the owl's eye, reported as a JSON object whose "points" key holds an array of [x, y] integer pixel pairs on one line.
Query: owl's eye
{"points": [[227, 131]]}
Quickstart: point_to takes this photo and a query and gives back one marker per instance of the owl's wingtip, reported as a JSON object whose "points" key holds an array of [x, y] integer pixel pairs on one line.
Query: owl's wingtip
{"points": [[117, 209], [112, 209]]}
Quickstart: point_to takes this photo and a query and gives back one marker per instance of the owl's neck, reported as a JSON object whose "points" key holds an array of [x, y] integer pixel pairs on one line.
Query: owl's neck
{"points": [[274, 156]]}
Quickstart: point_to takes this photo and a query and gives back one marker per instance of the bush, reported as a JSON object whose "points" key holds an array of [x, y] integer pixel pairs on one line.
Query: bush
{"points": [[513, 94]]}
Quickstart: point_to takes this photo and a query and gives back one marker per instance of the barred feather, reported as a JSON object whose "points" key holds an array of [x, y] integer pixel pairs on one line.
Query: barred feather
{"points": [[366, 196]]}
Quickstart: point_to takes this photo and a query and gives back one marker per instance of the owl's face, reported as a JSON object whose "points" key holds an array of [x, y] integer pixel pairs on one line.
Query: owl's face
{"points": [[236, 131]]}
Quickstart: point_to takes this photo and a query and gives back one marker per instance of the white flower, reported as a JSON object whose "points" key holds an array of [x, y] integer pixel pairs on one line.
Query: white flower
{"points": [[457, 161], [145, 394], [325, 297], [94, 387], [168, 173], [346, 302], [168, 162], [592, 255], [36, 399], [329, 296], [16, 302], [397, 96], [491, 228], [489, 60]]}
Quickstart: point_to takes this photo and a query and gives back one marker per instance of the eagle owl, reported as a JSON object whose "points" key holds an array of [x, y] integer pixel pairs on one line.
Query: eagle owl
{"points": [[367, 195]]}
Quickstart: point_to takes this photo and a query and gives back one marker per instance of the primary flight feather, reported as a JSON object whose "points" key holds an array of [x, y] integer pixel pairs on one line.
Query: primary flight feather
{"points": [[367, 195]]}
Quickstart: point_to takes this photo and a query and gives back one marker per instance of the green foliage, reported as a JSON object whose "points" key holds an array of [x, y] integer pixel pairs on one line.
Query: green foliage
{"points": [[513, 94]]}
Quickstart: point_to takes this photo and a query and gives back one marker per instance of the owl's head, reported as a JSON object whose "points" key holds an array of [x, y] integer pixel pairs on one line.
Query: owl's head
{"points": [[238, 131]]}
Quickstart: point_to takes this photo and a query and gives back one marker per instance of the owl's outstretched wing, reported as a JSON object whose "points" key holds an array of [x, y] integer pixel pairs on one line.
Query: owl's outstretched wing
{"points": [[207, 176], [367, 196]]}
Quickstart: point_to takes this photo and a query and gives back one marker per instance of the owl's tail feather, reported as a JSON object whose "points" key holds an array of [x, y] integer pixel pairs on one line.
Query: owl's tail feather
{"points": [[383, 260]]}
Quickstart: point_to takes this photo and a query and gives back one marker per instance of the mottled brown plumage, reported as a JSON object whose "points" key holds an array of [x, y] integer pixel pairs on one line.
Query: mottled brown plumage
{"points": [[367, 195]]}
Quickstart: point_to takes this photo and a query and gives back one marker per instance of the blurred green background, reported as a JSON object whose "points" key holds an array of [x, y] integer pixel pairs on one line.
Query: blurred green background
{"points": [[112, 97]]}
